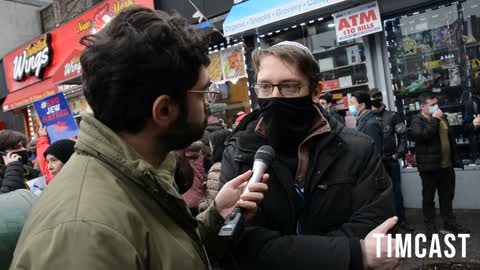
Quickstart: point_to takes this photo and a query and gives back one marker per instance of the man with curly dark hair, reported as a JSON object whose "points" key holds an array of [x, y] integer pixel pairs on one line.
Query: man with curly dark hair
{"points": [[115, 204]]}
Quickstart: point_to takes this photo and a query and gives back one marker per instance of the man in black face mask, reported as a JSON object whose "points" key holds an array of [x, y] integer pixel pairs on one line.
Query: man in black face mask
{"points": [[328, 187], [394, 148]]}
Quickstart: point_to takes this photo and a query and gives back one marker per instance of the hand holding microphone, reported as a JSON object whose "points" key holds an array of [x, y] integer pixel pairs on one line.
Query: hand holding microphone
{"points": [[250, 193]]}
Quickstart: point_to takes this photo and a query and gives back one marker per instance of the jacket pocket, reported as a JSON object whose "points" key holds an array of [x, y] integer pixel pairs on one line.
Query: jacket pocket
{"points": [[331, 203]]}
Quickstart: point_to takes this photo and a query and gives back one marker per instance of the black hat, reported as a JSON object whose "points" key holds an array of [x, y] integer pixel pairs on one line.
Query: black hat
{"points": [[374, 92], [61, 149]]}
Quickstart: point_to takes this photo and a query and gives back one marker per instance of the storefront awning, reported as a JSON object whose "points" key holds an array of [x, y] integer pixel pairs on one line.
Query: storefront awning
{"points": [[253, 14], [24, 97], [70, 71]]}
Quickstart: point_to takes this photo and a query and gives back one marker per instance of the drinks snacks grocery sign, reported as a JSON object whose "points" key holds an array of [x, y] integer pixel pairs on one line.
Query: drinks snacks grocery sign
{"points": [[357, 22], [253, 14]]}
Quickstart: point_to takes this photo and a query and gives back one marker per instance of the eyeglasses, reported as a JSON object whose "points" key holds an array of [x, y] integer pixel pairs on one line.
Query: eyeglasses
{"points": [[264, 90], [210, 94]]}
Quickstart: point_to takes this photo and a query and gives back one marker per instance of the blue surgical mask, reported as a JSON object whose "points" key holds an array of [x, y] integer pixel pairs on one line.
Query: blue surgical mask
{"points": [[353, 110], [432, 109]]}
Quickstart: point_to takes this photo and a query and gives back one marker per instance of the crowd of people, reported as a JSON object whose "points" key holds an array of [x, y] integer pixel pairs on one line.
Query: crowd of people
{"points": [[149, 186], [435, 151]]}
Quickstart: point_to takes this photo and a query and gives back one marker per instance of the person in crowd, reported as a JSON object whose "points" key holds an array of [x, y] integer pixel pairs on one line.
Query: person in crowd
{"points": [[114, 205], [326, 101], [183, 172], [394, 147], [214, 122], [14, 168], [237, 117], [436, 158], [315, 210], [217, 144], [43, 143], [367, 122], [471, 119], [32, 151], [193, 154], [57, 154]]}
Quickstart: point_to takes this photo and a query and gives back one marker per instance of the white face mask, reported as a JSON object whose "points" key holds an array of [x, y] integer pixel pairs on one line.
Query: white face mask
{"points": [[433, 109]]}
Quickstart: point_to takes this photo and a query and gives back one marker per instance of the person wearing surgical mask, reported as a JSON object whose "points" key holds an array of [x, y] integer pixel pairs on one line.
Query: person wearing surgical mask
{"points": [[367, 123], [436, 158], [14, 171]]}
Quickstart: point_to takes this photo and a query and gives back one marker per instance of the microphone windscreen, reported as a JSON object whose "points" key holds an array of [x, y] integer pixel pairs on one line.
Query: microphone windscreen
{"points": [[266, 154]]}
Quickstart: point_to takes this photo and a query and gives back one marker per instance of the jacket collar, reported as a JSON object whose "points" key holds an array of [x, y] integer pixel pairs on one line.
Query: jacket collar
{"points": [[97, 140], [364, 115]]}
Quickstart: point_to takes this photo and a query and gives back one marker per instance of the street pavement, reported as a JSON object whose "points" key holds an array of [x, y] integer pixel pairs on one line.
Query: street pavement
{"points": [[469, 218]]}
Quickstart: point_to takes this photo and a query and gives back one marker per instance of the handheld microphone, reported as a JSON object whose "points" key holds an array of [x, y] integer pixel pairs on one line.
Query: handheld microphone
{"points": [[263, 158]]}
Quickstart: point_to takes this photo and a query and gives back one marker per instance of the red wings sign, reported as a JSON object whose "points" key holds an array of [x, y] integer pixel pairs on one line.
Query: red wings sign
{"points": [[39, 59]]}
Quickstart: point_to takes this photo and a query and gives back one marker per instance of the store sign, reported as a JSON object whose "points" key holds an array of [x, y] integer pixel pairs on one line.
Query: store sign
{"points": [[55, 114], [255, 13], [73, 67], [357, 22], [34, 59], [68, 70]]}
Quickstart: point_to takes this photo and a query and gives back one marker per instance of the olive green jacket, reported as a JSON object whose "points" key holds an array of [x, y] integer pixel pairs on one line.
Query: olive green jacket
{"points": [[110, 209]]}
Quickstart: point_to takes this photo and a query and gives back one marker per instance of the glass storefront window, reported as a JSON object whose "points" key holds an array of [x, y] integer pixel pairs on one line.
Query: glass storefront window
{"points": [[343, 68], [227, 69], [426, 52]]}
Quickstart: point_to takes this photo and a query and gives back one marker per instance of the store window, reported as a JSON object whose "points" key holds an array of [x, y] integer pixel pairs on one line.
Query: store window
{"points": [[343, 68], [227, 69], [433, 51]]}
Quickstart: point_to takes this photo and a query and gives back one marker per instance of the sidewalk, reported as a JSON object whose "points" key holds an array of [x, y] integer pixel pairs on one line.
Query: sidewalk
{"points": [[469, 218]]}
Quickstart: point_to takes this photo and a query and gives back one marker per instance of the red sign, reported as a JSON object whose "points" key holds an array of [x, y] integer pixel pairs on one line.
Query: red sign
{"points": [[331, 84], [358, 21], [69, 69], [63, 41]]}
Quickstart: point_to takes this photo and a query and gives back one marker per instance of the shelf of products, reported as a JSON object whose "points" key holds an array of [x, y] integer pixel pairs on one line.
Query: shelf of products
{"points": [[347, 87], [333, 48], [434, 52], [342, 67]]}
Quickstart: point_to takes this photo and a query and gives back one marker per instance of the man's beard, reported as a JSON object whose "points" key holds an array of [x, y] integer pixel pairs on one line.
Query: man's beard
{"points": [[182, 133]]}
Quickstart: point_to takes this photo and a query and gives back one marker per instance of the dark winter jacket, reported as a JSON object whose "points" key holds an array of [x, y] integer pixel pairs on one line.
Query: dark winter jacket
{"points": [[14, 175], [347, 194], [367, 123], [428, 149], [335, 115], [394, 130], [472, 109], [195, 157]]}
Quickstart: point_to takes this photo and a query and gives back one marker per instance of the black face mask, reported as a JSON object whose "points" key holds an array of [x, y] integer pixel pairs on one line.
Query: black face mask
{"points": [[24, 156], [377, 103], [287, 121]]}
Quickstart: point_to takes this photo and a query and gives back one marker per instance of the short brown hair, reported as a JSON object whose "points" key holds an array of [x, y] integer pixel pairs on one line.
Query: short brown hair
{"points": [[303, 60], [9, 139]]}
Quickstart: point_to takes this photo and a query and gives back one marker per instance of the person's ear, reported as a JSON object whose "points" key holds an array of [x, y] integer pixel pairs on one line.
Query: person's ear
{"points": [[164, 111], [317, 91]]}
